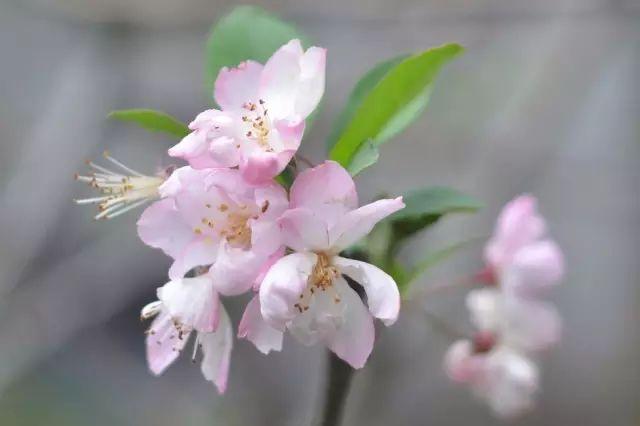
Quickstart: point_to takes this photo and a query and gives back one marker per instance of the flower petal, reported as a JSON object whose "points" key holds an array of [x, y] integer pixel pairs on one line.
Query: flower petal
{"points": [[199, 252], [236, 86], [327, 189], [216, 348], [255, 329], [462, 365], [259, 167], [353, 340], [192, 302], [163, 343], [311, 83], [359, 222], [282, 286], [535, 268], [382, 292], [518, 224], [161, 226], [235, 269], [279, 80], [531, 325], [486, 308], [302, 230]]}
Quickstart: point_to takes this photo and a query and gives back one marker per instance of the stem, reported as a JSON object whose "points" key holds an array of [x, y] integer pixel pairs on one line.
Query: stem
{"points": [[336, 391]]}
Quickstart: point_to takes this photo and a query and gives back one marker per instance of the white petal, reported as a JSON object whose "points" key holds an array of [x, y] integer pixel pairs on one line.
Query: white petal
{"points": [[235, 270], [282, 286], [353, 340], [486, 307], [383, 296], [216, 348], [192, 302]]}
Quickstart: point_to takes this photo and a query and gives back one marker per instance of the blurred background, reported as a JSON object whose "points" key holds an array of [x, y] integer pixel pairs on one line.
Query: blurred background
{"points": [[546, 100]]}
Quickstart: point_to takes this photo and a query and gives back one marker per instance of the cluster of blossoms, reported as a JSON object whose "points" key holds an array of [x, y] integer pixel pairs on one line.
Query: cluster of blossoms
{"points": [[513, 323], [230, 228]]}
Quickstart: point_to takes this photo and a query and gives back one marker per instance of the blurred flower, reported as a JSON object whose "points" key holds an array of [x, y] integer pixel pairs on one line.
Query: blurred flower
{"points": [[513, 324], [213, 217], [305, 292], [519, 256], [261, 121], [121, 192]]}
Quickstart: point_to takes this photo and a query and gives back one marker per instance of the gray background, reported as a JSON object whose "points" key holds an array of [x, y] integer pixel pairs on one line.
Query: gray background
{"points": [[545, 100]]}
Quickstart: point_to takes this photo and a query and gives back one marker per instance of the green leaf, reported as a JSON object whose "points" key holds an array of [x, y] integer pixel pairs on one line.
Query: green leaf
{"points": [[359, 92], [246, 33], [394, 102], [155, 121], [426, 206], [366, 156]]}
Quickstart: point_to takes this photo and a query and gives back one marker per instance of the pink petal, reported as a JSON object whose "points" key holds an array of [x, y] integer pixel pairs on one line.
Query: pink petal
{"points": [[163, 343], [200, 252], [235, 270], [191, 146], [382, 292], [518, 224], [192, 302], [535, 268], [327, 189], [272, 200], [461, 364], [161, 226], [236, 86], [302, 230], [216, 348], [282, 286], [358, 223], [224, 152], [353, 340], [266, 266], [255, 329], [259, 167]]}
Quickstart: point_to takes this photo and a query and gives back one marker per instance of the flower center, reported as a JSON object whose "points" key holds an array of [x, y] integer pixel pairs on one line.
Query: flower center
{"points": [[257, 124], [320, 280], [120, 192], [231, 224]]}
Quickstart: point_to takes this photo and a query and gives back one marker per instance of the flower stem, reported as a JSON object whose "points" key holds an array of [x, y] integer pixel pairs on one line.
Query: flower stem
{"points": [[336, 391]]}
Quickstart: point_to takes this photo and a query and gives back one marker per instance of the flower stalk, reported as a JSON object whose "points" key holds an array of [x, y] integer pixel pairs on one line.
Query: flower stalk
{"points": [[339, 379]]}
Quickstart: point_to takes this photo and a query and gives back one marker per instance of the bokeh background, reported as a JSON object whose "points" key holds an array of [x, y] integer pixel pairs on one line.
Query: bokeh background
{"points": [[546, 100]]}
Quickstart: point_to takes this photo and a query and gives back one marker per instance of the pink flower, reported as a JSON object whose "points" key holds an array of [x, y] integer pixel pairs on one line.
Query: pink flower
{"points": [[306, 292], [519, 256], [263, 108], [213, 217], [186, 306], [502, 377]]}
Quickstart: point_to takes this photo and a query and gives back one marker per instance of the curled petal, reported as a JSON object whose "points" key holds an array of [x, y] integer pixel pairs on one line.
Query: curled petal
{"points": [[255, 329], [192, 302], [311, 83], [282, 286], [235, 86], [199, 252], [258, 167], [382, 292], [216, 348], [163, 343], [359, 222], [353, 339]]}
